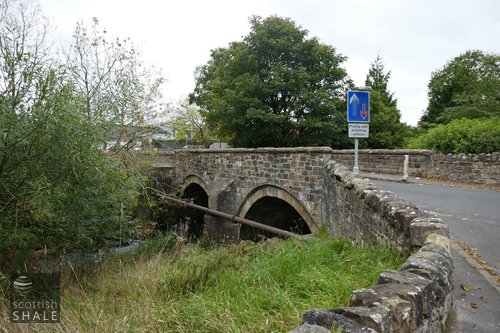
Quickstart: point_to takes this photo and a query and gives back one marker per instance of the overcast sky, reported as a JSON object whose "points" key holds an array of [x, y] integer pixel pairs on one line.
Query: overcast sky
{"points": [[414, 37]]}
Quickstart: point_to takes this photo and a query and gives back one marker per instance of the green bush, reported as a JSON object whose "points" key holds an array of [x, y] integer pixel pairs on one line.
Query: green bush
{"points": [[469, 136], [58, 189]]}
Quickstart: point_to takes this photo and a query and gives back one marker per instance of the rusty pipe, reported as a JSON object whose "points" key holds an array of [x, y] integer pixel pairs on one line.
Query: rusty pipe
{"points": [[235, 218]]}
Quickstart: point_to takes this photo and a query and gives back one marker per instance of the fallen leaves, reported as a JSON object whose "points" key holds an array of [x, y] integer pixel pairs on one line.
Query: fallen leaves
{"points": [[466, 287], [478, 259]]}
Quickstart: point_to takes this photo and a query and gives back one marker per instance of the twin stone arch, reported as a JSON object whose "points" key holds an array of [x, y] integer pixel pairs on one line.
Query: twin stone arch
{"points": [[257, 193]]}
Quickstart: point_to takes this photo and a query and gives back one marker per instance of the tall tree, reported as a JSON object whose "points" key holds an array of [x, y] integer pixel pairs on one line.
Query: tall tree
{"points": [[23, 52], [466, 87], [118, 90], [276, 87], [386, 129], [188, 122], [378, 80], [57, 189]]}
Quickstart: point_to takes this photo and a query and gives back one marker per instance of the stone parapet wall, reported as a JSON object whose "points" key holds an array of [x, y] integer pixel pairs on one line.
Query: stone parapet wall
{"points": [[388, 161], [237, 172], [481, 169], [415, 298], [364, 213]]}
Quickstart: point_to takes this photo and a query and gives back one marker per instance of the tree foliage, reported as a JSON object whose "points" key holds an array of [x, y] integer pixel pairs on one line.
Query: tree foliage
{"points": [[57, 188], [378, 80], [386, 129], [473, 136], [276, 87], [188, 122], [118, 92], [466, 87]]}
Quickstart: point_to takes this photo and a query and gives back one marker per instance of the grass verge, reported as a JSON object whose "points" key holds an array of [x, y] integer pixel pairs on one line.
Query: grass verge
{"points": [[249, 287]]}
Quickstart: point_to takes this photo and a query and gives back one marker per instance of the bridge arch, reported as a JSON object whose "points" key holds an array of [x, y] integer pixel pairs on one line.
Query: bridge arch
{"points": [[282, 199], [193, 179], [195, 189]]}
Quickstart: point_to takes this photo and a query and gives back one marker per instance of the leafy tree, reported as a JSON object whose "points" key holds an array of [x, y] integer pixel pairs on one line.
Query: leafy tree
{"points": [[276, 87], [386, 129], [117, 90], [57, 189], [188, 122], [466, 87]]}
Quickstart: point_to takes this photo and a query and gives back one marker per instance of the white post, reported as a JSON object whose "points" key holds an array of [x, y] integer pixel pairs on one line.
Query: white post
{"points": [[355, 170], [405, 167]]}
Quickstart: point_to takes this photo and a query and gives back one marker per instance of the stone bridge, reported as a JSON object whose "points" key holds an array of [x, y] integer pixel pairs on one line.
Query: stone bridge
{"points": [[299, 189], [282, 187]]}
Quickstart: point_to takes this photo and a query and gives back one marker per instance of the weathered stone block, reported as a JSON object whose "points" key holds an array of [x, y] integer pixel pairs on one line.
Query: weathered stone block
{"points": [[331, 320], [422, 227], [376, 318], [340, 173], [306, 328], [426, 286], [440, 240], [401, 214], [406, 303], [434, 266]]}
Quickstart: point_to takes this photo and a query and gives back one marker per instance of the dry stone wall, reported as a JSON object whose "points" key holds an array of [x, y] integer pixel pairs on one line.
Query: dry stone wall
{"points": [[415, 298], [480, 169]]}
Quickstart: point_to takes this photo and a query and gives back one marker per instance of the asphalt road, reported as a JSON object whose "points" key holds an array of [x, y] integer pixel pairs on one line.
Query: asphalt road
{"points": [[473, 216]]}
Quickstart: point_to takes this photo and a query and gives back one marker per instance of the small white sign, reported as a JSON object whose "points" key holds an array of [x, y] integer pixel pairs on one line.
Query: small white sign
{"points": [[357, 130]]}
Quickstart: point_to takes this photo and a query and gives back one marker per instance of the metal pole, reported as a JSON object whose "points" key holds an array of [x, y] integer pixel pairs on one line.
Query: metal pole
{"points": [[355, 170], [236, 218]]}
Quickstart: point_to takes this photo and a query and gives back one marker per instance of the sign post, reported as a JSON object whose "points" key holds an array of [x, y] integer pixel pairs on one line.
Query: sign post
{"points": [[358, 117]]}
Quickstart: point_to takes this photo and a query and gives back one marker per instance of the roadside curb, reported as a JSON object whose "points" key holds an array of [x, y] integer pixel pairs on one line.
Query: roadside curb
{"points": [[382, 178], [392, 178], [489, 279], [427, 181]]}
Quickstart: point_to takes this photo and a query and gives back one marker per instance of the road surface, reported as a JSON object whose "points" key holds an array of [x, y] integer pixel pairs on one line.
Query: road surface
{"points": [[473, 217]]}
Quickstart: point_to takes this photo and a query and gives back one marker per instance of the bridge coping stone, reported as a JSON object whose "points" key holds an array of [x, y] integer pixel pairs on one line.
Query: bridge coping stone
{"points": [[312, 150]]}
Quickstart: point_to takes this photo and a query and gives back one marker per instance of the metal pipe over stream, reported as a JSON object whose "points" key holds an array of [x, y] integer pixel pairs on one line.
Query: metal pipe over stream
{"points": [[235, 218]]}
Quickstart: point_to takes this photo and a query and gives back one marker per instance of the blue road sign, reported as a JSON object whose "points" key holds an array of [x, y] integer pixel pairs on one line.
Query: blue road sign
{"points": [[358, 106]]}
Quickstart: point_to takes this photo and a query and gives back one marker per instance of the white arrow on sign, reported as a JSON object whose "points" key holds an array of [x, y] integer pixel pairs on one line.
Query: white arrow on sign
{"points": [[354, 100]]}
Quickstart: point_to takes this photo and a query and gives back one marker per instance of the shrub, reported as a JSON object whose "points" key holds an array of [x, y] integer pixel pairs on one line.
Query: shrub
{"points": [[469, 136], [59, 190]]}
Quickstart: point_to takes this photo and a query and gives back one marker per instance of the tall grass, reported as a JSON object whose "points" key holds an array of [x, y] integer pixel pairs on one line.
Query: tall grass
{"points": [[249, 287]]}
